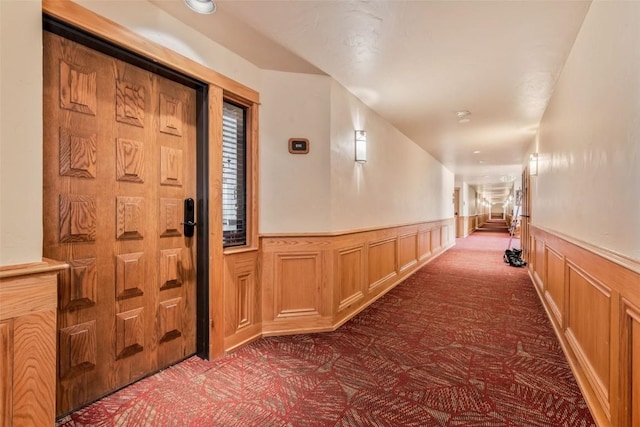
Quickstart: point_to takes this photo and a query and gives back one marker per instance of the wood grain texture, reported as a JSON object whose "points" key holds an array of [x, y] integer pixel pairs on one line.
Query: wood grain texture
{"points": [[170, 166], [6, 372], [130, 332], [220, 86], [243, 321], [77, 154], [77, 218], [540, 260], [351, 261], [170, 322], [170, 217], [115, 220], [22, 295], [129, 160], [171, 112], [628, 414], [34, 369], [635, 370], [28, 343], [298, 284], [382, 262], [555, 290], [130, 103], [602, 296], [242, 307], [424, 244], [129, 272], [216, 270], [407, 251], [588, 329], [78, 348], [436, 242], [78, 88], [350, 284], [78, 284]]}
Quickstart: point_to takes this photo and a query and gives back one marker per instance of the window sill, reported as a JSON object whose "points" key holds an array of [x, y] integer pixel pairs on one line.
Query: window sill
{"points": [[239, 250]]}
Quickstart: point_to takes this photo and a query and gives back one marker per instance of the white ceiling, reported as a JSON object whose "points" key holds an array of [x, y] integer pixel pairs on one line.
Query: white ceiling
{"points": [[417, 63]]}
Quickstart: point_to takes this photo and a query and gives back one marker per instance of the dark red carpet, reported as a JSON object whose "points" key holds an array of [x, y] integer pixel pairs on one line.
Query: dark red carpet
{"points": [[463, 342]]}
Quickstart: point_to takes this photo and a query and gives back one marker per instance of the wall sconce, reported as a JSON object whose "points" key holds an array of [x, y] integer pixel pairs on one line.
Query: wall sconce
{"points": [[361, 146], [533, 164]]}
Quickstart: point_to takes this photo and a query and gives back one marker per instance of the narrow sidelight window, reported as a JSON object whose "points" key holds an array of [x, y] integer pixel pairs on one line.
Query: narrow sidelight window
{"points": [[234, 189]]}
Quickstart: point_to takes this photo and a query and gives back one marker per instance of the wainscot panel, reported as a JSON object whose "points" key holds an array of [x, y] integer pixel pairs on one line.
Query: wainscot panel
{"points": [[350, 280], [408, 251], [592, 297], [424, 244], [28, 343], [632, 336], [315, 283], [242, 317], [467, 225], [382, 262], [555, 283], [588, 328]]}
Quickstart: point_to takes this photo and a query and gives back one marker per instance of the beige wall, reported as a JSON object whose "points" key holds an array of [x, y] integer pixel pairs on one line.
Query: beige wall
{"points": [[325, 190], [588, 185], [20, 132], [400, 182], [295, 193]]}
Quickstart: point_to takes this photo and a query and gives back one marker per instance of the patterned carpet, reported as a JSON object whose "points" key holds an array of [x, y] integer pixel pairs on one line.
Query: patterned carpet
{"points": [[463, 342]]}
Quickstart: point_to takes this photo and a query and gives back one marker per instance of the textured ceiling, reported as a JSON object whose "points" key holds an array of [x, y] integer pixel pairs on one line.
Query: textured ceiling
{"points": [[417, 63]]}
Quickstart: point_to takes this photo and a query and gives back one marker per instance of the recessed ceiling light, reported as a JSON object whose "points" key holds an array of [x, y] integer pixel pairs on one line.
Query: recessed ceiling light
{"points": [[201, 6], [476, 152]]}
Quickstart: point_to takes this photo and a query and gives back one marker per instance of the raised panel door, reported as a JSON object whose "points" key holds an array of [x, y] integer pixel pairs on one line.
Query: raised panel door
{"points": [[119, 159]]}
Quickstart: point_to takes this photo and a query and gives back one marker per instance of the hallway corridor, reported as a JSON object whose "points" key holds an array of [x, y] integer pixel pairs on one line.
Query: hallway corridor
{"points": [[462, 342]]}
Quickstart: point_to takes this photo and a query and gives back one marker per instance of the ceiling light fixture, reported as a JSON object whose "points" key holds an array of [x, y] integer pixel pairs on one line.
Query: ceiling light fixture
{"points": [[476, 152], [201, 6], [463, 116]]}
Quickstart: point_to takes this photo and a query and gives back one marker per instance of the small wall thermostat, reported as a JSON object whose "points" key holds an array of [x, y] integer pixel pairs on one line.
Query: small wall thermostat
{"points": [[298, 145]]}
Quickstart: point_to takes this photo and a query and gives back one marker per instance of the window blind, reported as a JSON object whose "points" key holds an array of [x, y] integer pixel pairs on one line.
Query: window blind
{"points": [[234, 194]]}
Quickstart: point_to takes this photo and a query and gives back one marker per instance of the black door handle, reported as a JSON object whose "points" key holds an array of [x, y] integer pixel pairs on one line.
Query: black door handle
{"points": [[189, 212]]}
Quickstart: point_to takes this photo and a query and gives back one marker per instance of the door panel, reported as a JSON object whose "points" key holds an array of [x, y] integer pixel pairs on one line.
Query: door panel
{"points": [[119, 159]]}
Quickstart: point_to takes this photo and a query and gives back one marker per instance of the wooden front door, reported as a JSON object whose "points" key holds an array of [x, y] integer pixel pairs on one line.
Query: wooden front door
{"points": [[119, 161]]}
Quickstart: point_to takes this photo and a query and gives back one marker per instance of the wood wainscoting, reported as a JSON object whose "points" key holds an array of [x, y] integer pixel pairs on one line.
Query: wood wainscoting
{"points": [[242, 308], [315, 283], [482, 218], [28, 301], [592, 297], [467, 225]]}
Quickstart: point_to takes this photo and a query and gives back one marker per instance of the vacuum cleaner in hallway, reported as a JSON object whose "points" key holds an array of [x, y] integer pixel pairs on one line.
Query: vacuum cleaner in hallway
{"points": [[513, 256]]}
